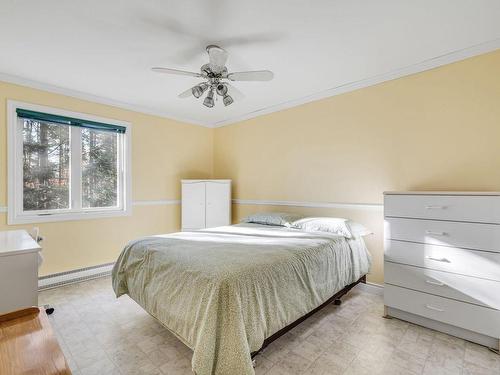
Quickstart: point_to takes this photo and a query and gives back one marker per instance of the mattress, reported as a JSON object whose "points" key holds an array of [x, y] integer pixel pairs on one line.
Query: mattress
{"points": [[223, 291]]}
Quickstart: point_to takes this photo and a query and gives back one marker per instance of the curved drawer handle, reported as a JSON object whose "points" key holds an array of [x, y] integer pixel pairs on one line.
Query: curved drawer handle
{"points": [[437, 259], [432, 233], [434, 308], [434, 283], [434, 207]]}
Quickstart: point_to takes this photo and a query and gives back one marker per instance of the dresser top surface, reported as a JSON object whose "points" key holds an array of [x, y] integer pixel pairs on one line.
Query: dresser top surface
{"points": [[444, 192]]}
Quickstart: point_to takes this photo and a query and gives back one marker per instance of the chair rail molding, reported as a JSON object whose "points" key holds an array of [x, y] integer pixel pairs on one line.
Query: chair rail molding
{"points": [[348, 205], [264, 202]]}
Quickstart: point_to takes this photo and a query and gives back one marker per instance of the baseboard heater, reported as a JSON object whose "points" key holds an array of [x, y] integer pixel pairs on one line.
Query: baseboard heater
{"points": [[74, 276], [88, 273]]}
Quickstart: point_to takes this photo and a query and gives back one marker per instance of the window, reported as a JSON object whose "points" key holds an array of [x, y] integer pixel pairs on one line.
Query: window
{"points": [[66, 166]]}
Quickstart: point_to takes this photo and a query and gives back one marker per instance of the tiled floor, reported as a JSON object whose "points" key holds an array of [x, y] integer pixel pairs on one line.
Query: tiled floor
{"points": [[104, 335]]}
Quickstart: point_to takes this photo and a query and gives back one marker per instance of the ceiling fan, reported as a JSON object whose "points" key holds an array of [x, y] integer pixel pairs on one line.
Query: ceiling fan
{"points": [[216, 78]]}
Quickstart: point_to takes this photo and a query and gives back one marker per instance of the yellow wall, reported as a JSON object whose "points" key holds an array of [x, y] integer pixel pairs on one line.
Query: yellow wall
{"points": [[163, 152], [434, 130], [438, 129]]}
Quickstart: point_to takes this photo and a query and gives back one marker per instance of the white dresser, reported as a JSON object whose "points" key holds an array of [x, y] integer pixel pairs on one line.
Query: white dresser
{"points": [[18, 270], [205, 204], [442, 262]]}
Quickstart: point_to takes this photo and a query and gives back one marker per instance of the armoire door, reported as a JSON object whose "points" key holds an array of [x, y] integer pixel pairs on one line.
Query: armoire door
{"points": [[193, 205], [218, 211]]}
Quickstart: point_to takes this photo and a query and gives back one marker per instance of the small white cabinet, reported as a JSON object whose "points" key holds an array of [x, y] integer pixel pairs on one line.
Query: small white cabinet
{"points": [[205, 204], [18, 270]]}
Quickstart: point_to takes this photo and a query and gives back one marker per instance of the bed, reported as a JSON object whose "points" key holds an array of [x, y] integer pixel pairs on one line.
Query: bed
{"points": [[225, 292]]}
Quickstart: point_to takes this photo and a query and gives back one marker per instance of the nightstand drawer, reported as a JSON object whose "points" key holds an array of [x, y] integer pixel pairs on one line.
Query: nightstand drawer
{"points": [[472, 317], [480, 209], [443, 258], [463, 288], [447, 233]]}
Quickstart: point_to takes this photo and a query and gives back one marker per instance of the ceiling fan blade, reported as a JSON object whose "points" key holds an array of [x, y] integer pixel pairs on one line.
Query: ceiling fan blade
{"points": [[187, 93], [234, 92], [257, 75], [217, 57], [253, 38], [176, 71]]}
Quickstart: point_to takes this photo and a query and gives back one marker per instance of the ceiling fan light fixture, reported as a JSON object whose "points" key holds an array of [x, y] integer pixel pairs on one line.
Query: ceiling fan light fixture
{"points": [[227, 100], [209, 100], [221, 89], [198, 90]]}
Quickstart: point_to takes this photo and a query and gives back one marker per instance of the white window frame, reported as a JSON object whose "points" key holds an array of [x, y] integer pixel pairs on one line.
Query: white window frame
{"points": [[16, 215]]}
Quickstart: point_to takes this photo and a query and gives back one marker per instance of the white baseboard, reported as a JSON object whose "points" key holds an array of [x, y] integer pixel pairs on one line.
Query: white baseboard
{"points": [[74, 276], [465, 334], [88, 273], [372, 288]]}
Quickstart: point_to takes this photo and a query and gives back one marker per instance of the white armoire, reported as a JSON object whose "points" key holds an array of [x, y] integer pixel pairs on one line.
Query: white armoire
{"points": [[205, 204]]}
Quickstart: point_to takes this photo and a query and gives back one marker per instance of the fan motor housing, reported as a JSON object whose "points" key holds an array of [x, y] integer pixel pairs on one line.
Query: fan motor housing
{"points": [[206, 70]]}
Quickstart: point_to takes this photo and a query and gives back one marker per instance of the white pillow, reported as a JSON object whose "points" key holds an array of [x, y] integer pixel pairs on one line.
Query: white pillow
{"points": [[358, 230], [283, 219], [333, 225]]}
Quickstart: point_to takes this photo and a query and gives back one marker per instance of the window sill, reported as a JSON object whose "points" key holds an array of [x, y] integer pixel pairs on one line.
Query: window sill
{"points": [[70, 216]]}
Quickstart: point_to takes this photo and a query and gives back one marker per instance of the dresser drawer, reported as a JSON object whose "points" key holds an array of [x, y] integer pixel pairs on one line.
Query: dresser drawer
{"points": [[472, 317], [468, 235], [463, 288], [443, 258], [480, 209]]}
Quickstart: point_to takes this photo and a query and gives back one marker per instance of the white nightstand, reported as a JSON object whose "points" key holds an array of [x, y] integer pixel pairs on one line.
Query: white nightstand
{"points": [[18, 270]]}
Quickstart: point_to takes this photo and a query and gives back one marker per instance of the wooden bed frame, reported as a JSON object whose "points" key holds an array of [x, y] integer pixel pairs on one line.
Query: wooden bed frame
{"points": [[336, 297]]}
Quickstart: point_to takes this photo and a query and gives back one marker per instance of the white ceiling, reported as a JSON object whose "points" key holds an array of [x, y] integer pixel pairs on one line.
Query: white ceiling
{"points": [[105, 49]]}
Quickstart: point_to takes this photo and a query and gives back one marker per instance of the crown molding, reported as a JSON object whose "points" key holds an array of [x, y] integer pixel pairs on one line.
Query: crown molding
{"points": [[16, 80], [421, 66]]}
